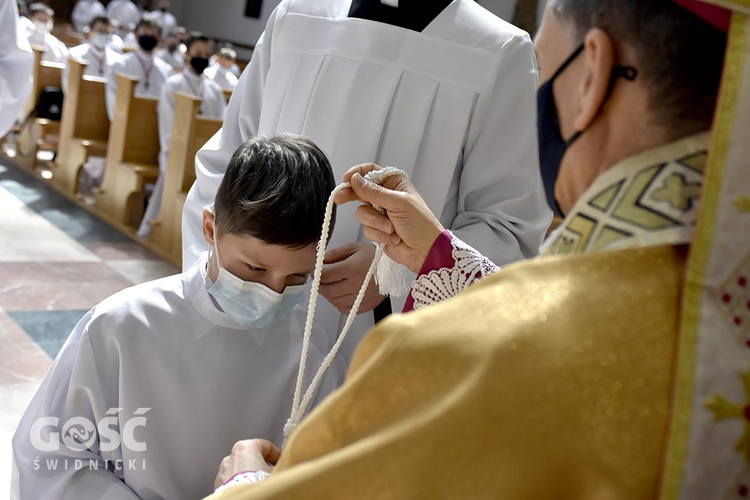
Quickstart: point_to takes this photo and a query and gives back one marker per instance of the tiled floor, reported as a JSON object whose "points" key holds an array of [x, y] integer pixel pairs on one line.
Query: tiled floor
{"points": [[56, 262]]}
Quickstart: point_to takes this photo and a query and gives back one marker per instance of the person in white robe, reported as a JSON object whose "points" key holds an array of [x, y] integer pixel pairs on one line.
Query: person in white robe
{"points": [[16, 66], [173, 52], [151, 72], [96, 50], [43, 18], [98, 53], [166, 18], [84, 11], [213, 105], [221, 70], [26, 27], [155, 383], [234, 68], [453, 105], [126, 14]]}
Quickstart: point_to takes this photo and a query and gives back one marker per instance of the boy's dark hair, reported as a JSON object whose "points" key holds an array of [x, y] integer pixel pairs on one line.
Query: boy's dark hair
{"points": [[150, 21], [276, 190], [195, 36], [99, 19], [680, 56]]}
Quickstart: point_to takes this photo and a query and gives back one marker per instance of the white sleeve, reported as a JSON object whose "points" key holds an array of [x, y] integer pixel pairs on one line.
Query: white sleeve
{"points": [[44, 466], [501, 202], [16, 66], [240, 123], [165, 112]]}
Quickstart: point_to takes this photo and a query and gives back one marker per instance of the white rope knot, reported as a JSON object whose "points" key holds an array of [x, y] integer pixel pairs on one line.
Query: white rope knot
{"points": [[391, 281], [289, 427]]}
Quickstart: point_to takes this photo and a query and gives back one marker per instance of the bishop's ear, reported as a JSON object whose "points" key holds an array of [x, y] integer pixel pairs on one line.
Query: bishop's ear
{"points": [[208, 226], [599, 60]]}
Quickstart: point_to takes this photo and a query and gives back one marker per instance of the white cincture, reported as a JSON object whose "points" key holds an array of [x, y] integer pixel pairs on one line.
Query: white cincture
{"points": [[391, 282]]}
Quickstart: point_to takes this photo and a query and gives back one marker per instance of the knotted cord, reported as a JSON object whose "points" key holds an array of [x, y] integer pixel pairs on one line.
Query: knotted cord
{"points": [[299, 407]]}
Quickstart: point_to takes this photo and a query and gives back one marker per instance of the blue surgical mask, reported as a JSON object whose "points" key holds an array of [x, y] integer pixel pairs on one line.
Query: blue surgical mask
{"points": [[252, 304], [100, 40], [552, 146]]}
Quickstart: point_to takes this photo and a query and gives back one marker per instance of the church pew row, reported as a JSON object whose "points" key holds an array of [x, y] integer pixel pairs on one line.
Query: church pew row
{"points": [[190, 133], [41, 132], [132, 155], [84, 128]]}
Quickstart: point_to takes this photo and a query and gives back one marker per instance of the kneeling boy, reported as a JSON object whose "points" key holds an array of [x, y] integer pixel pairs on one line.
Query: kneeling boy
{"points": [[158, 381]]}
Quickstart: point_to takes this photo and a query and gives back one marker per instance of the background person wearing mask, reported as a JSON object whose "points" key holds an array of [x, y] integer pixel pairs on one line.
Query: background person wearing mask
{"points": [[150, 71], [221, 70], [213, 104], [96, 51], [173, 52], [44, 20]]}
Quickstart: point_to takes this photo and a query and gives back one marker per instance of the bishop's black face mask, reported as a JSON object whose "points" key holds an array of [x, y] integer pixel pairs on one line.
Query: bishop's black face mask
{"points": [[552, 146], [147, 42]]}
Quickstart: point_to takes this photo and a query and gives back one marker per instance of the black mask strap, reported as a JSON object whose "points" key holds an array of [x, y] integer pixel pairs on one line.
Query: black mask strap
{"points": [[629, 73]]}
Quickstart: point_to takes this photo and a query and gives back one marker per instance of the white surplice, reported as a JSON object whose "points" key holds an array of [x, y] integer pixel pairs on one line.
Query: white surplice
{"points": [[213, 105], [99, 61], [55, 50], [16, 66], [84, 11], [175, 59], [453, 105], [151, 72], [161, 350]]}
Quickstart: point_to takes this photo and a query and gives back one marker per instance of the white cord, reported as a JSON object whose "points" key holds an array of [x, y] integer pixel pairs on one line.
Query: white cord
{"points": [[299, 408]]}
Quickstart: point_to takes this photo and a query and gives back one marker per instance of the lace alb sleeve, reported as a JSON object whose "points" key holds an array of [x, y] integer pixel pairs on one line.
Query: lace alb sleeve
{"points": [[449, 268]]}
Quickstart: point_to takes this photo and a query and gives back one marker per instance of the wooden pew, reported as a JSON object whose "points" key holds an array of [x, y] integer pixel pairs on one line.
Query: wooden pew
{"points": [[189, 134], [227, 94], [42, 132], [84, 129], [132, 155]]}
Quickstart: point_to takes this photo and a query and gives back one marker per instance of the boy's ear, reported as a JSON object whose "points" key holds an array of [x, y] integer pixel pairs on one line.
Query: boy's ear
{"points": [[208, 226]]}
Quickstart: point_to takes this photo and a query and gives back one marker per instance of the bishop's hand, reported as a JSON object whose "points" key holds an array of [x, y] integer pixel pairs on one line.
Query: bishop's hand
{"points": [[250, 455], [408, 229]]}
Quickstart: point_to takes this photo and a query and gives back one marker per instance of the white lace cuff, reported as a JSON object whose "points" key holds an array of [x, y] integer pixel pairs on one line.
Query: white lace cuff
{"points": [[462, 267], [248, 477]]}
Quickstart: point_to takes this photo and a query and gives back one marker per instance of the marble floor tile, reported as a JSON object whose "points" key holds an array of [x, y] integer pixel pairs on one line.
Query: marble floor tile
{"points": [[49, 329], [140, 271], [28, 237], [22, 359], [14, 398], [62, 213], [119, 251], [40, 286]]}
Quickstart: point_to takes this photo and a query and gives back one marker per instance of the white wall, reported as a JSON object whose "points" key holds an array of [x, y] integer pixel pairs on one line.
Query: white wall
{"points": [[223, 19]]}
